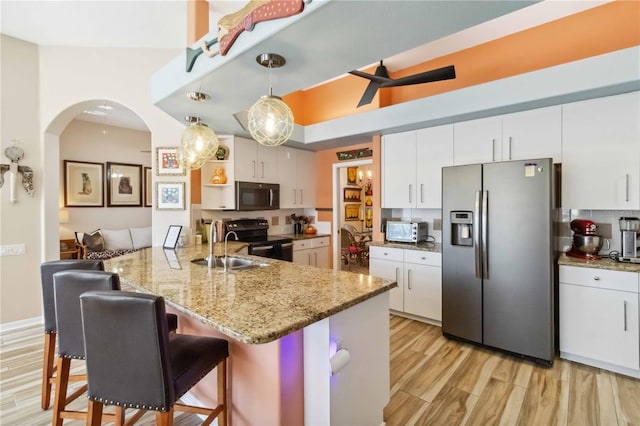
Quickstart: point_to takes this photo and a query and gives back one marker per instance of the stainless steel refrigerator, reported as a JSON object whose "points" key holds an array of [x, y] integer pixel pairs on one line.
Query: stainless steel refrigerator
{"points": [[497, 256]]}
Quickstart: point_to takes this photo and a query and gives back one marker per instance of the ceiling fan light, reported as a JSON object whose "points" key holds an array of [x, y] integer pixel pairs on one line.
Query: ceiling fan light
{"points": [[270, 121], [197, 145]]}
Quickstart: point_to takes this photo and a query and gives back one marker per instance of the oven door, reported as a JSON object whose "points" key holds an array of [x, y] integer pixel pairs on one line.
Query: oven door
{"points": [[280, 251]]}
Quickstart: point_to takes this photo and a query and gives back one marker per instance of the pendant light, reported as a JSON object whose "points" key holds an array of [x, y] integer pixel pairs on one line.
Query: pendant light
{"points": [[270, 119], [197, 145]]}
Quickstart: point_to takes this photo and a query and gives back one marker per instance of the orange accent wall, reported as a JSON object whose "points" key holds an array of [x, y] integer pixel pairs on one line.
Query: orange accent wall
{"points": [[607, 28]]}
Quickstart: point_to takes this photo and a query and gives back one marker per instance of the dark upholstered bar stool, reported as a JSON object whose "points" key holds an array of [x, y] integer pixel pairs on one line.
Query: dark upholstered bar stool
{"points": [[47, 270], [68, 286], [143, 366]]}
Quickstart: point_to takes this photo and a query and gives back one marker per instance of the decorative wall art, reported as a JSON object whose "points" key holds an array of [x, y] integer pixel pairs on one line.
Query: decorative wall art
{"points": [[351, 211], [170, 195], [352, 175], [83, 184], [148, 193], [15, 154], [168, 162], [171, 239], [352, 195], [124, 185]]}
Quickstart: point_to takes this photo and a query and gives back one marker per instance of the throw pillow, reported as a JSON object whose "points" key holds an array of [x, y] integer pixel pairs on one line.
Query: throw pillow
{"points": [[93, 241], [117, 239], [141, 237]]}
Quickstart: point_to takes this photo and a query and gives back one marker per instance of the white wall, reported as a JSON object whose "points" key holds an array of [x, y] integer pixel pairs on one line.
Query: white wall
{"points": [[85, 141], [43, 89]]}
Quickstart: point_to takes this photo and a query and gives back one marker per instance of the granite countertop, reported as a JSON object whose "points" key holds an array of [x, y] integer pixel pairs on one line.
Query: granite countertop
{"points": [[298, 237], [252, 306], [603, 263], [423, 246]]}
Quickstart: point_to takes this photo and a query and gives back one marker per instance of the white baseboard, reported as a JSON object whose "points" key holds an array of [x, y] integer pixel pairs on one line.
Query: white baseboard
{"points": [[16, 325]]}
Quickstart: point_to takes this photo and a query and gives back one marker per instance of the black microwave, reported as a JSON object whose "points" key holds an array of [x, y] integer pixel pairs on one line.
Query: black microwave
{"points": [[257, 196]]}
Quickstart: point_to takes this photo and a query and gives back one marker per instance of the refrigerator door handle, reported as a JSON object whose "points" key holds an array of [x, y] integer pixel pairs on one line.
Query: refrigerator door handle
{"points": [[476, 234], [485, 248]]}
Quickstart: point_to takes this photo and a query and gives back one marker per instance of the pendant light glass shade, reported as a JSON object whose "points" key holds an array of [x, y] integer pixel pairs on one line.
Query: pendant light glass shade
{"points": [[270, 121], [198, 144]]}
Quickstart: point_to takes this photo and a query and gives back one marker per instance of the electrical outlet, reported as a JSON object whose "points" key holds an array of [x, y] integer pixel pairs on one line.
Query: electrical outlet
{"points": [[12, 250], [437, 224]]}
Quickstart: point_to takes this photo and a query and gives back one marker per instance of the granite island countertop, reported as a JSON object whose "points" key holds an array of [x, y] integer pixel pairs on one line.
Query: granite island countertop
{"points": [[603, 263], [252, 306]]}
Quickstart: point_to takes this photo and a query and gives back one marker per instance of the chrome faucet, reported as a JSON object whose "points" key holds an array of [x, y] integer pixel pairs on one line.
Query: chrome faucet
{"points": [[213, 236], [225, 247]]}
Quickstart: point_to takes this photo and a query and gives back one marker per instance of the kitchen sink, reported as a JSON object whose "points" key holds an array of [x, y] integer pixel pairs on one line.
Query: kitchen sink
{"points": [[233, 263]]}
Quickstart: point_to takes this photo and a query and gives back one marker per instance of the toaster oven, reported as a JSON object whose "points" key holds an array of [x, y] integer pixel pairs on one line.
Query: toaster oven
{"points": [[406, 232]]}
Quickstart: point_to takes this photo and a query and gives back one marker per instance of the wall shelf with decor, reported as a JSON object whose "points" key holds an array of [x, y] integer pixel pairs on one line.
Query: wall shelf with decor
{"points": [[217, 178]]}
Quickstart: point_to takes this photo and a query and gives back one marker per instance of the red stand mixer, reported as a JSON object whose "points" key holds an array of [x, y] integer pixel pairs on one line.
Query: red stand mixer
{"points": [[586, 243]]}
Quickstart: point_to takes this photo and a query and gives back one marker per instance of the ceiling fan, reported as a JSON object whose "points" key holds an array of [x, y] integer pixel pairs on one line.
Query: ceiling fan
{"points": [[381, 79]]}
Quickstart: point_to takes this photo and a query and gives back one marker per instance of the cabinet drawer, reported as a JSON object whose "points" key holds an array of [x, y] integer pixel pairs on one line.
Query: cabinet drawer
{"points": [[423, 257], [302, 244], [600, 278], [320, 242], [386, 253]]}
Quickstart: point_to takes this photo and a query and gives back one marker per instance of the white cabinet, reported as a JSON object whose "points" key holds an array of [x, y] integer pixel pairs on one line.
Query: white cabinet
{"points": [[601, 153], [535, 133], [312, 252], [599, 318], [219, 196], [412, 167], [434, 150], [419, 277], [255, 162], [297, 178], [399, 170], [477, 141], [387, 263]]}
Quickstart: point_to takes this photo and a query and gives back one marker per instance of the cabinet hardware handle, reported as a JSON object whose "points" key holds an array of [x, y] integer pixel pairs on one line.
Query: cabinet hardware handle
{"points": [[626, 189], [301, 202], [262, 162], [315, 255], [410, 187], [596, 278], [385, 253], [625, 315], [397, 269], [493, 150], [422, 192], [409, 279], [509, 147], [423, 258], [255, 169], [295, 197]]}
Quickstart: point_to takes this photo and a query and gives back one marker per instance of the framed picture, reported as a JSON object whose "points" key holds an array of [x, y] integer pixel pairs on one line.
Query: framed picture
{"points": [[352, 175], [148, 193], [124, 185], [170, 196], [352, 195], [352, 212], [171, 239], [83, 184], [168, 162]]}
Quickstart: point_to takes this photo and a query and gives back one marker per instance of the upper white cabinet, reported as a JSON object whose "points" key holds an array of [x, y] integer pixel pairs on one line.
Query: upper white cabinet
{"points": [[477, 141], [536, 133], [412, 167], [601, 153], [399, 170], [297, 178], [255, 162], [434, 150]]}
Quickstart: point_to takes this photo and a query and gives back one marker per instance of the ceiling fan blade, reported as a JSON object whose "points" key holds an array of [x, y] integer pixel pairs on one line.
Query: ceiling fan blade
{"points": [[369, 94], [377, 78], [444, 73]]}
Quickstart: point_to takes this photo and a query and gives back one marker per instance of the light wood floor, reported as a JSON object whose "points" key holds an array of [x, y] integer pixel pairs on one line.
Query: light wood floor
{"points": [[433, 381]]}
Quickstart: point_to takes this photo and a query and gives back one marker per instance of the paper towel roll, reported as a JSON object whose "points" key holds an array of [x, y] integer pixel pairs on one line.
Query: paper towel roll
{"points": [[339, 361]]}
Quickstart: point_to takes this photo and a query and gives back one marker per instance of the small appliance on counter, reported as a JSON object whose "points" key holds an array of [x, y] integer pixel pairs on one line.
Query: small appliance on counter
{"points": [[586, 243], [407, 232], [630, 239]]}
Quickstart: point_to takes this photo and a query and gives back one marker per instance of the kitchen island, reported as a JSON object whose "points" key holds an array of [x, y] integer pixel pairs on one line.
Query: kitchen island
{"points": [[284, 323]]}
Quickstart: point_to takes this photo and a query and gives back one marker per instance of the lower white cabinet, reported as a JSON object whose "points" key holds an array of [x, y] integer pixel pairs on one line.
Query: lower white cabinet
{"points": [[312, 252], [599, 318], [419, 277]]}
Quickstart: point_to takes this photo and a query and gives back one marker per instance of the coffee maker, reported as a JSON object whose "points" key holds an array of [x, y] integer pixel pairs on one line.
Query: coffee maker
{"points": [[586, 243], [629, 237]]}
